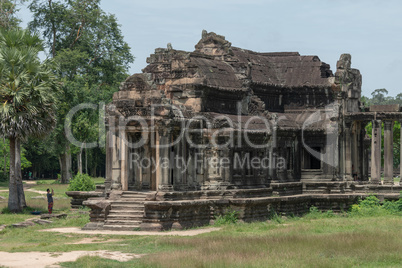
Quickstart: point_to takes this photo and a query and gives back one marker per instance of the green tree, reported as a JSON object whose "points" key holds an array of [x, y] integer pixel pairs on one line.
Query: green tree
{"points": [[42, 158], [8, 9], [28, 96], [93, 58], [379, 96], [8, 20]]}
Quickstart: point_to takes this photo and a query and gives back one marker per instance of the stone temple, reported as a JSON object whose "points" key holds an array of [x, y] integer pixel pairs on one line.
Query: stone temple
{"points": [[222, 127]]}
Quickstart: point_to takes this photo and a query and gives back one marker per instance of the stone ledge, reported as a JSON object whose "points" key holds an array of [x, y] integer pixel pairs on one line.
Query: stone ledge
{"points": [[165, 215], [79, 197], [51, 216]]}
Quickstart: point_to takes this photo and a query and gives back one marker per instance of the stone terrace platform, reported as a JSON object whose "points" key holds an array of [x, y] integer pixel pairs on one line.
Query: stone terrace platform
{"points": [[160, 211]]}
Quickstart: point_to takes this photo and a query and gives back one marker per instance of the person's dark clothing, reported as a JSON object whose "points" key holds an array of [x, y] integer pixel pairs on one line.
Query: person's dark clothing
{"points": [[49, 203], [49, 198]]}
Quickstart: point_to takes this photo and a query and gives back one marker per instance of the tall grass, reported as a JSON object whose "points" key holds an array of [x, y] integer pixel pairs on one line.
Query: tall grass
{"points": [[330, 242]]}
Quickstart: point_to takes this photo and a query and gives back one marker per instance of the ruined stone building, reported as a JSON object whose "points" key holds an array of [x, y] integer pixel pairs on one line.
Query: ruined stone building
{"points": [[224, 126]]}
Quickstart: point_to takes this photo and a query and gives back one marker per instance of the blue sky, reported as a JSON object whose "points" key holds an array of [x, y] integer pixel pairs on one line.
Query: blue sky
{"points": [[370, 30]]}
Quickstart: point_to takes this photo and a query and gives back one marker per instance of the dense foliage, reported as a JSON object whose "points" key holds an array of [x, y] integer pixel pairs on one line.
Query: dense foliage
{"points": [[371, 206], [94, 58], [8, 9], [81, 182]]}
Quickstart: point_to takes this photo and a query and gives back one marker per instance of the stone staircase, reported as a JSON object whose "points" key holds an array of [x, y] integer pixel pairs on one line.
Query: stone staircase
{"points": [[127, 212]]}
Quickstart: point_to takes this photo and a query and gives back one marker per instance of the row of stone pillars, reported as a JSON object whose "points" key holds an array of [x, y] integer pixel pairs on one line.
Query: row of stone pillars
{"points": [[388, 152]]}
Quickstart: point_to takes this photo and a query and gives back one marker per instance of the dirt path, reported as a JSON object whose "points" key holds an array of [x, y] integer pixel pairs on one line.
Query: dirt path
{"points": [[35, 191], [93, 240], [44, 259], [27, 187], [29, 190], [51, 259], [174, 233]]}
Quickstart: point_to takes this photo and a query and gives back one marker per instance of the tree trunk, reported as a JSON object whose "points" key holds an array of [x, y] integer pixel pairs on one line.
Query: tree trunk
{"points": [[13, 204], [5, 157], [65, 165], [53, 29], [94, 171], [86, 161], [79, 160], [18, 174]]}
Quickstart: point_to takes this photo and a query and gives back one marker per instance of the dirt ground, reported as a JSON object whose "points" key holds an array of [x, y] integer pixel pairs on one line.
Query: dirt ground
{"points": [[51, 259], [107, 232]]}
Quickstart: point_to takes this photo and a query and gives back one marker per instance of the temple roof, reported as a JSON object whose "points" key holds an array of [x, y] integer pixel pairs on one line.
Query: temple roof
{"points": [[215, 63], [287, 69]]}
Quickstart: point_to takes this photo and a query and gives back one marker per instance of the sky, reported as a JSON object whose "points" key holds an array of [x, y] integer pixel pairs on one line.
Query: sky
{"points": [[370, 30]]}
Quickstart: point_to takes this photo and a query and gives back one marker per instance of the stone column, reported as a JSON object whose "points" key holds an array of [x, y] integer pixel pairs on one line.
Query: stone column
{"points": [[124, 171], [364, 153], [272, 173], [115, 161], [158, 169], [164, 149], [147, 169], [348, 152], [154, 158], [109, 160], [356, 162], [177, 163], [388, 152], [376, 152], [342, 156], [400, 153], [136, 170]]}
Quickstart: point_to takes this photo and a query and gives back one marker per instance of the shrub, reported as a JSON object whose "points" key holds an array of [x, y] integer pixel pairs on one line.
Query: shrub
{"points": [[370, 202], [229, 217], [391, 206], [371, 206], [81, 182], [315, 213], [276, 218]]}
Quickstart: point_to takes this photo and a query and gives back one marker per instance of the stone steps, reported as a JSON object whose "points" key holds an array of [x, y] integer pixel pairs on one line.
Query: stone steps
{"points": [[124, 222], [126, 213], [128, 202], [121, 227], [136, 198], [126, 210], [126, 206]]}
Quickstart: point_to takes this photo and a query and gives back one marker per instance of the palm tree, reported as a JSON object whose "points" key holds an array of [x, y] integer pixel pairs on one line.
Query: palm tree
{"points": [[28, 97]]}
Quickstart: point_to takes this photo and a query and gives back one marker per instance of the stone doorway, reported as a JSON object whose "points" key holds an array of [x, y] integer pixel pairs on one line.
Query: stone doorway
{"points": [[142, 163]]}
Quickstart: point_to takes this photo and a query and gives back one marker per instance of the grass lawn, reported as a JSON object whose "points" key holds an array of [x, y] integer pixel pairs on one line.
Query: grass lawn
{"points": [[37, 201], [311, 241], [295, 242]]}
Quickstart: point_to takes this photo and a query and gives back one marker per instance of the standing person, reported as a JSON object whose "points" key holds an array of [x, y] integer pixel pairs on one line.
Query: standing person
{"points": [[50, 200]]}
